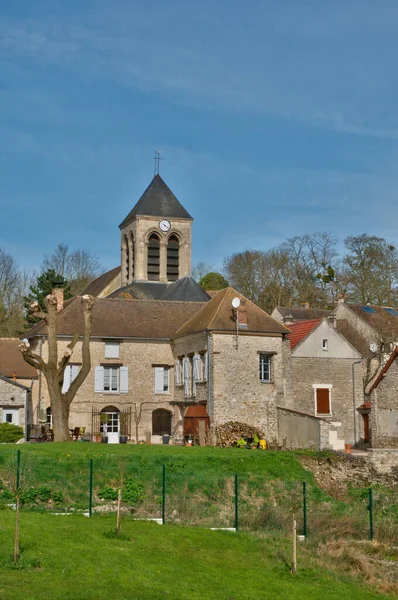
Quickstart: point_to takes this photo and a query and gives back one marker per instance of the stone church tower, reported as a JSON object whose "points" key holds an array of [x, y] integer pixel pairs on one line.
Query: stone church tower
{"points": [[156, 238]]}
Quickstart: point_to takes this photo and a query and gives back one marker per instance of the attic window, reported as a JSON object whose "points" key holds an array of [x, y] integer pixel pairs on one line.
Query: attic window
{"points": [[173, 251], [368, 309], [324, 344], [153, 269]]}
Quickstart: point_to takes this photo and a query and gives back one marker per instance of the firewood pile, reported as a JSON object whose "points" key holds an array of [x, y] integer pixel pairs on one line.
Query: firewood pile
{"points": [[229, 433]]}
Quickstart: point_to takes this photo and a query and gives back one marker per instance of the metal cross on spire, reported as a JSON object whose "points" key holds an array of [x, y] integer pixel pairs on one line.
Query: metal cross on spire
{"points": [[157, 160]]}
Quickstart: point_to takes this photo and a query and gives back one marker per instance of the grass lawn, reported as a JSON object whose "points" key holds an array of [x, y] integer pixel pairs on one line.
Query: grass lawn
{"points": [[75, 558]]}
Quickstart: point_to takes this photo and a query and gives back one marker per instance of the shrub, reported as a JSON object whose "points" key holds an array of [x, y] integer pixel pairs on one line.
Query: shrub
{"points": [[10, 433], [133, 492]]}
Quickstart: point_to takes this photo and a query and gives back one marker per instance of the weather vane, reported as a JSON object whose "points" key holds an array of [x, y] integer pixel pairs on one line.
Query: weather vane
{"points": [[157, 160]]}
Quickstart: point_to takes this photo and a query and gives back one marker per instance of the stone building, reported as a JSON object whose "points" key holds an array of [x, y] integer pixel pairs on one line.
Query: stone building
{"points": [[18, 385], [166, 357], [327, 378]]}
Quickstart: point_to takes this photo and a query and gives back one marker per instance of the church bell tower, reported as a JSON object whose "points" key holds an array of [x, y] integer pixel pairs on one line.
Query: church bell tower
{"points": [[156, 237]]}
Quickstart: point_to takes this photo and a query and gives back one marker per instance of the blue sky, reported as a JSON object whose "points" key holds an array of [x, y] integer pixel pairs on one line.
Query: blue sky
{"points": [[275, 118]]}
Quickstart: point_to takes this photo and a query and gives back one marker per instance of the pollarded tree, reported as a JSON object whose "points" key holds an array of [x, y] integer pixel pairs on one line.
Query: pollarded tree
{"points": [[54, 369]]}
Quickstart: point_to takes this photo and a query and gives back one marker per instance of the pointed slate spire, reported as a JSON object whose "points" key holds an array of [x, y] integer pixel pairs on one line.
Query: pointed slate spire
{"points": [[158, 201]]}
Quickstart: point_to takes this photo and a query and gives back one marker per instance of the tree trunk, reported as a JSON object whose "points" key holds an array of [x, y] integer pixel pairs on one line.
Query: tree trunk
{"points": [[60, 412]]}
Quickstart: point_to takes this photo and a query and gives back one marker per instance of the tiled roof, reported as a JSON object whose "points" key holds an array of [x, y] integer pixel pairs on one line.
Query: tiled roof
{"points": [[299, 313], [158, 200], [183, 290], [217, 315], [300, 330], [385, 323], [11, 360], [95, 287], [115, 317]]}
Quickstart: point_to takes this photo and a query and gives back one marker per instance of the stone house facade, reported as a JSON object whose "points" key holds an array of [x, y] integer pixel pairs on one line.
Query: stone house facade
{"points": [[15, 403], [326, 377]]}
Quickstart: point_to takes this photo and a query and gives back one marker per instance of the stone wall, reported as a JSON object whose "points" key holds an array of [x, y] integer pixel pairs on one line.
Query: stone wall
{"points": [[309, 372], [384, 461], [13, 397], [300, 430], [140, 358], [384, 413], [237, 394]]}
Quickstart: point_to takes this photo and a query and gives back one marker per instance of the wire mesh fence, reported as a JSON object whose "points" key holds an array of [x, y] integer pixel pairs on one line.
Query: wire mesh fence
{"points": [[204, 498]]}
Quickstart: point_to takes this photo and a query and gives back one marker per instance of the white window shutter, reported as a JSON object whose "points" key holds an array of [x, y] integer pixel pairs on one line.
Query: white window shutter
{"points": [[177, 373], [159, 380], [74, 372], [99, 379], [67, 379], [124, 380], [205, 366]]}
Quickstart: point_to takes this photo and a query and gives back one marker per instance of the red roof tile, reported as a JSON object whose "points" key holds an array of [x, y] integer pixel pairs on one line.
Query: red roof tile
{"points": [[300, 331]]}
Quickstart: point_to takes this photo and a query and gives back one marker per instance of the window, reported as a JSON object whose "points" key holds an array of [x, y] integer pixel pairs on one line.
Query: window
{"points": [[173, 250], [161, 422], [322, 400], [112, 349], [324, 344], [70, 374], [111, 423], [111, 379], [8, 418], [265, 368], [153, 269], [49, 417], [162, 380]]}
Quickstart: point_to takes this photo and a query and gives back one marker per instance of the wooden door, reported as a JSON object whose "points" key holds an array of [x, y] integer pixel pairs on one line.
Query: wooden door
{"points": [[193, 415], [322, 401]]}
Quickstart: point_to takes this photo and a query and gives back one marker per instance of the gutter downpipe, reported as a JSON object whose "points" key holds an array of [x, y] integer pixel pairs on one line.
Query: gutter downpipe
{"points": [[354, 399]]}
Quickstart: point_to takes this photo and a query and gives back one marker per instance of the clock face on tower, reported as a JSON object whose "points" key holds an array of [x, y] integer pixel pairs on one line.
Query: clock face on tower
{"points": [[164, 225]]}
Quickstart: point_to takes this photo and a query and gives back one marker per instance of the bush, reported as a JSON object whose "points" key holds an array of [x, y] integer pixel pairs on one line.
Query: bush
{"points": [[10, 433], [133, 492]]}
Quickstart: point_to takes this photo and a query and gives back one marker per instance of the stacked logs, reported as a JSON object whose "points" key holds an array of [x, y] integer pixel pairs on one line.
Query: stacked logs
{"points": [[229, 433]]}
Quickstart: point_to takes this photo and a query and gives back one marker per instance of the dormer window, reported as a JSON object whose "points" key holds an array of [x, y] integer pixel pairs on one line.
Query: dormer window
{"points": [[112, 349], [324, 344]]}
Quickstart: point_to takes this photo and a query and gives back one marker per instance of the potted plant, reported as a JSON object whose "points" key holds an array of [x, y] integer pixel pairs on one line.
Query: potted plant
{"points": [[98, 437]]}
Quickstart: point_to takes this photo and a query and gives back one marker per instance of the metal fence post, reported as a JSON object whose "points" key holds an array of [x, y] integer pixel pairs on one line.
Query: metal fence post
{"points": [[370, 514], [18, 469], [304, 509], [163, 494], [90, 505], [236, 503]]}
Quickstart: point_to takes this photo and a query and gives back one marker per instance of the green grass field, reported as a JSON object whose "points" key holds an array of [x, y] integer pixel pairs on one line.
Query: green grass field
{"points": [[76, 558]]}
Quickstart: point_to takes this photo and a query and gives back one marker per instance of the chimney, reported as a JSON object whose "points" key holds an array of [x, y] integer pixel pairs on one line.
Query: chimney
{"points": [[242, 314], [307, 305], [58, 292], [340, 299]]}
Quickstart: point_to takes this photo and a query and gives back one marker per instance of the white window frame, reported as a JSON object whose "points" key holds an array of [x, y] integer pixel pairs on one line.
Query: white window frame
{"points": [[325, 344], [323, 386], [162, 374], [70, 374], [112, 349], [261, 371], [122, 379]]}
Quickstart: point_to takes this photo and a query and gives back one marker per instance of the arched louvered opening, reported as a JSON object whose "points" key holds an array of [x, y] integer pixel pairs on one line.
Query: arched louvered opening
{"points": [[153, 258], [126, 258], [173, 255], [161, 422], [131, 256]]}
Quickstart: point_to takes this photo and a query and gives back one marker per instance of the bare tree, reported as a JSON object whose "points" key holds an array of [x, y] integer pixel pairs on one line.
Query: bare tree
{"points": [[137, 416], [200, 270], [371, 270], [78, 267], [13, 286], [54, 369]]}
